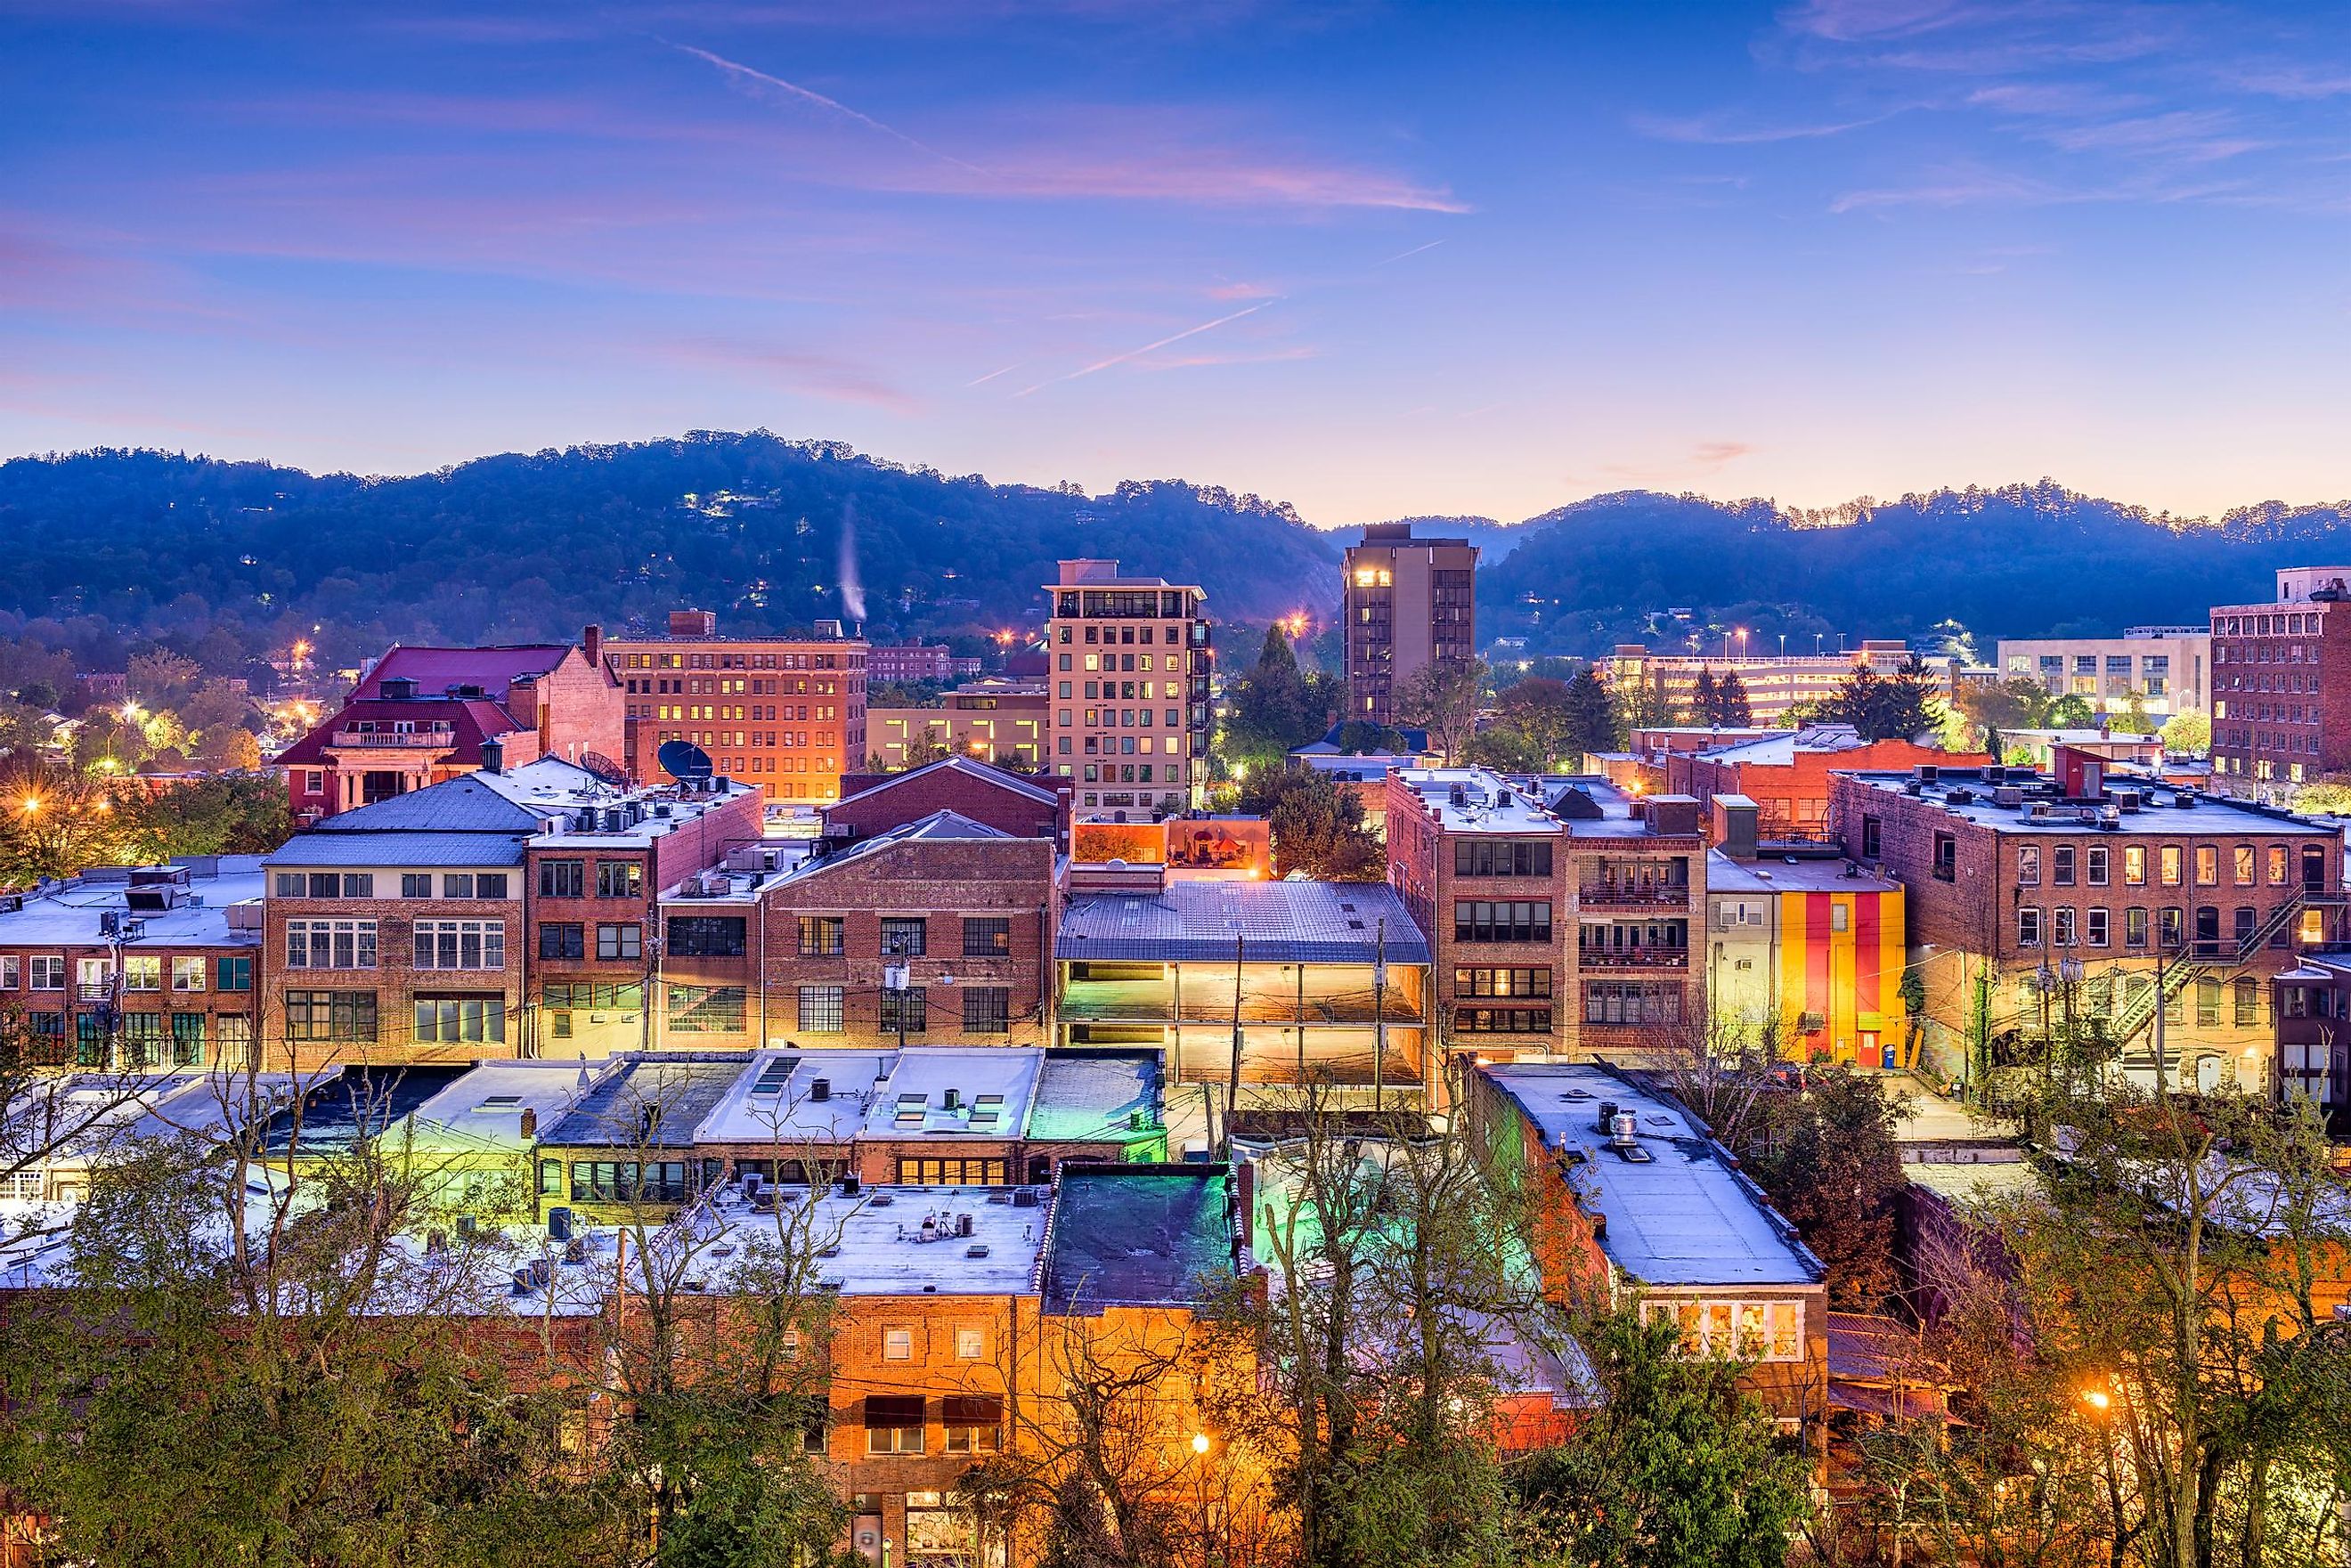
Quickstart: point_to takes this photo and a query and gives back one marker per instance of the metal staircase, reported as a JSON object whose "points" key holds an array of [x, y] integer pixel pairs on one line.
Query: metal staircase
{"points": [[2197, 957]]}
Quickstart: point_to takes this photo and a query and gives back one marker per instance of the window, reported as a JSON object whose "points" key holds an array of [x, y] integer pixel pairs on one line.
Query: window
{"points": [[416, 884], [562, 939], [987, 936], [1755, 1331], [2134, 927], [2028, 927], [2097, 857], [1631, 1002], [142, 1039], [1501, 921], [12, 972], [620, 879], [2028, 865], [2061, 865], [970, 1344], [2277, 865], [705, 1010], [462, 944], [187, 1039], [2168, 856], [142, 972], [820, 936], [986, 1009], [1501, 1020], [708, 935], [460, 1019], [489, 884], [1513, 982], [187, 974], [1946, 863], [562, 878], [49, 973], [2207, 1003], [972, 1422], [905, 938], [2095, 923], [2135, 865], [1872, 837], [331, 944], [897, 1345], [907, 1009], [626, 941], [630, 1181], [893, 1423], [2061, 927], [2241, 865], [2207, 865], [2244, 1003], [821, 1010], [1501, 857], [2172, 929], [949, 1171], [331, 1014], [457, 884]]}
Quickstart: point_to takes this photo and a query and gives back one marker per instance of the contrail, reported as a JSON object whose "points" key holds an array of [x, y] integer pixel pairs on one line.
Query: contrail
{"points": [[992, 374], [736, 68], [1147, 347], [1415, 250]]}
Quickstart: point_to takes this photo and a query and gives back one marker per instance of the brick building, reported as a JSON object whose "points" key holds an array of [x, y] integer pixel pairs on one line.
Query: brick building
{"points": [[421, 715], [1561, 912], [2313, 1009], [787, 713], [451, 923], [1786, 774], [997, 722], [1406, 603], [1132, 744], [2282, 683], [148, 969], [905, 663], [1024, 806], [2130, 902]]}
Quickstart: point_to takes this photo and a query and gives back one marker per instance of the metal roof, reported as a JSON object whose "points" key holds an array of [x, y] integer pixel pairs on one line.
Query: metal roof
{"points": [[397, 849], [463, 805], [1276, 921]]}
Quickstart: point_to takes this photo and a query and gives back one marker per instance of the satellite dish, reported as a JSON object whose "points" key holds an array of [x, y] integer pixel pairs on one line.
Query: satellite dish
{"points": [[682, 759], [603, 767]]}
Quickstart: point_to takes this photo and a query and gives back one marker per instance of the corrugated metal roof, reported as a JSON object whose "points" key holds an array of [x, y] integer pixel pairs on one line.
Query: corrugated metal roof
{"points": [[398, 848], [452, 806], [1279, 922]]}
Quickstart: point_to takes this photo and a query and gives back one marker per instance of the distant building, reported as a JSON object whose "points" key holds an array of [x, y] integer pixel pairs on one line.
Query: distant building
{"points": [[2281, 681], [1131, 673], [2167, 668], [1406, 603], [999, 722], [1775, 683], [1021, 805], [2313, 1007], [421, 715], [1786, 773], [904, 663], [787, 713]]}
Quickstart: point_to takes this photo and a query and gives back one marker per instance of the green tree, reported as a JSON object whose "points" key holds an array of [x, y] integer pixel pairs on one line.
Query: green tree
{"points": [[229, 813], [1645, 703], [1317, 825], [1592, 722], [1443, 699], [2071, 711], [1826, 1154], [1993, 746], [54, 823], [1881, 707], [1730, 702], [1678, 1467], [1272, 709], [159, 678], [229, 748], [2188, 733], [1537, 716], [1706, 706]]}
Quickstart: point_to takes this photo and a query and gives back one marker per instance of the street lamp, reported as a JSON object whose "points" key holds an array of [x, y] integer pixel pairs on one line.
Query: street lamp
{"points": [[1200, 1463]]}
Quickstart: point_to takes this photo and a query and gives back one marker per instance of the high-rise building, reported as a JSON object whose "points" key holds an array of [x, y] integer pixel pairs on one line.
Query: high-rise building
{"points": [[787, 713], [1409, 603], [1130, 693], [2281, 681], [2167, 668]]}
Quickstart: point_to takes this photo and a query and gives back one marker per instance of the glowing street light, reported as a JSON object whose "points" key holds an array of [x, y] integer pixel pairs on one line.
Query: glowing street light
{"points": [[29, 804], [1199, 1442], [2096, 1399]]}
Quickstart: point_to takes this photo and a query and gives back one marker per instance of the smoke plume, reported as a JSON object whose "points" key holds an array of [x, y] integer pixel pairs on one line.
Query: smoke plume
{"points": [[852, 590]]}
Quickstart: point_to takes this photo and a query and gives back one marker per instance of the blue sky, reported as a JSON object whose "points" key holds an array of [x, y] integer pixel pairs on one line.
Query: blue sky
{"points": [[1376, 260]]}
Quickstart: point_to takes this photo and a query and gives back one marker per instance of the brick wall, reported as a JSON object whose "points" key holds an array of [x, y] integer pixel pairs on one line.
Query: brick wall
{"points": [[886, 802], [395, 981]]}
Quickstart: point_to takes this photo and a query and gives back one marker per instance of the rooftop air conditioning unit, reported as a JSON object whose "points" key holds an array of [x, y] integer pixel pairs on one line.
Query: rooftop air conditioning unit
{"points": [[1961, 795], [1928, 773], [2008, 795]]}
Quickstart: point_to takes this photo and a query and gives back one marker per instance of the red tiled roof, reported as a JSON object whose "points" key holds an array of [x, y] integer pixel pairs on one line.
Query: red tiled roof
{"points": [[471, 721], [436, 670]]}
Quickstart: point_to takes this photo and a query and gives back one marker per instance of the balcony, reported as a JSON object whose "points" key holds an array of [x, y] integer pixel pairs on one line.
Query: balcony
{"points": [[1614, 895], [438, 739], [1633, 957]]}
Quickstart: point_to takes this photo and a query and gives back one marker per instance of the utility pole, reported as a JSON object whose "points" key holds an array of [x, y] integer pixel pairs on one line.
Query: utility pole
{"points": [[1380, 1017], [896, 981], [1233, 1089]]}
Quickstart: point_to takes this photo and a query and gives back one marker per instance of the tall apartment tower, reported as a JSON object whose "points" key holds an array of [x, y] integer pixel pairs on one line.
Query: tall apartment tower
{"points": [[787, 713], [2281, 681], [1129, 720], [1410, 604]]}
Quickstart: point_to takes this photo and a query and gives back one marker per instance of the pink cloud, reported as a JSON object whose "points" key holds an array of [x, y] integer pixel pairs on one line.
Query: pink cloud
{"points": [[796, 371]]}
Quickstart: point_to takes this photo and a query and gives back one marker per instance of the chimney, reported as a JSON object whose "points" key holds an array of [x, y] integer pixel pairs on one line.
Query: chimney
{"points": [[693, 623], [591, 643], [530, 1122], [1734, 826], [494, 755]]}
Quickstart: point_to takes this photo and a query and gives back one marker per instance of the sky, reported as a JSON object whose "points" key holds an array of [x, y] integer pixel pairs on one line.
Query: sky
{"points": [[1376, 260]]}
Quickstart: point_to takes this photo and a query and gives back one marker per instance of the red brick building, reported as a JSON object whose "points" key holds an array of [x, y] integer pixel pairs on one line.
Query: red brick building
{"points": [[2117, 896], [1786, 774], [904, 663], [2282, 683], [422, 715], [787, 713], [1137, 745], [1024, 806]]}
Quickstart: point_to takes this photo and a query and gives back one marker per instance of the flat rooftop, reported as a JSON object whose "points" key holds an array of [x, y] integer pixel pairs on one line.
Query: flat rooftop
{"points": [[1962, 793], [648, 1099], [1791, 873], [485, 1106], [1159, 1234], [1479, 800], [890, 1240], [1681, 1217], [71, 914], [1275, 922]]}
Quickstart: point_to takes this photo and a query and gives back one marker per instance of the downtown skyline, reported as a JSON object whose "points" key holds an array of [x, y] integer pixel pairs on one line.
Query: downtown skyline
{"points": [[1377, 261]]}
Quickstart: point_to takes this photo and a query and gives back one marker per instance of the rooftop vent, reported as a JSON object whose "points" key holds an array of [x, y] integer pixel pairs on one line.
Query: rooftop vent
{"points": [[398, 688], [2008, 795]]}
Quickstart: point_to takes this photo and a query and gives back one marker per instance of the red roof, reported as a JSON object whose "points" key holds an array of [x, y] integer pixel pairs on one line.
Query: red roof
{"points": [[470, 720], [436, 670]]}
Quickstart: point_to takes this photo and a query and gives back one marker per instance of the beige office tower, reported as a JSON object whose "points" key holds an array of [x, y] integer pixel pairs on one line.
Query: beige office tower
{"points": [[1130, 672], [1410, 604]]}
